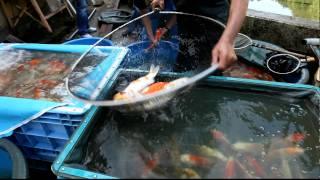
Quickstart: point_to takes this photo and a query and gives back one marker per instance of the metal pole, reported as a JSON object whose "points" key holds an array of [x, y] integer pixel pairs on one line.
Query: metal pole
{"points": [[71, 7], [77, 30]]}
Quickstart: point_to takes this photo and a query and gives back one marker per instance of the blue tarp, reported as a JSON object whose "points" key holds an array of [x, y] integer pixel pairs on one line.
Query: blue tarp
{"points": [[16, 112]]}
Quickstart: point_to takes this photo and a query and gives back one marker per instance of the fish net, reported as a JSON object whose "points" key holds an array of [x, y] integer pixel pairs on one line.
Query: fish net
{"points": [[185, 49]]}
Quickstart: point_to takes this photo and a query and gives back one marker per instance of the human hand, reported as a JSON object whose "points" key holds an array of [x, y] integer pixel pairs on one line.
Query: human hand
{"points": [[223, 54], [157, 4]]}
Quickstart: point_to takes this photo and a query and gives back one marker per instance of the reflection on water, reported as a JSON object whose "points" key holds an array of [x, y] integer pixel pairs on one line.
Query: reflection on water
{"points": [[215, 133], [309, 9]]}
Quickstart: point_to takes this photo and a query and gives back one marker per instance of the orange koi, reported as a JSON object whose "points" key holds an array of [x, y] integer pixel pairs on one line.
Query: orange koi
{"points": [[256, 166], [195, 160], [296, 137], [57, 65], [120, 96], [154, 87], [150, 164], [230, 171], [48, 83], [218, 135], [34, 62], [159, 34], [37, 93]]}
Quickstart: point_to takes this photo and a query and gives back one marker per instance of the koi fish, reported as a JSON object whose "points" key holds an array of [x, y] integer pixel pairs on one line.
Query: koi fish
{"points": [[150, 165], [34, 62], [38, 93], [195, 160], [134, 88], [248, 147], [219, 136], [154, 87], [188, 173], [296, 137], [256, 166], [289, 151], [288, 141], [176, 83], [20, 68], [243, 170], [159, 34], [57, 66], [209, 152], [48, 83], [230, 171]]}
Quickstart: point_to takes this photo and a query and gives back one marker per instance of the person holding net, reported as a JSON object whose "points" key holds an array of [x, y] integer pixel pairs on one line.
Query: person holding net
{"points": [[230, 13], [156, 27]]}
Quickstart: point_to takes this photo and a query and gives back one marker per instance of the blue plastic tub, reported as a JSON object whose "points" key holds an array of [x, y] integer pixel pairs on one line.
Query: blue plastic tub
{"points": [[89, 41], [164, 54], [44, 137]]}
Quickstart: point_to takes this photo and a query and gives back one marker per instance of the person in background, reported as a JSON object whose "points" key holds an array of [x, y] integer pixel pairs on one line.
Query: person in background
{"points": [[82, 19], [232, 13], [161, 29]]}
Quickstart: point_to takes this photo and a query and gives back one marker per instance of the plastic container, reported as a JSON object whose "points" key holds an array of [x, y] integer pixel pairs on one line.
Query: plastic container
{"points": [[89, 41], [13, 164], [140, 57], [44, 137], [69, 163], [258, 56]]}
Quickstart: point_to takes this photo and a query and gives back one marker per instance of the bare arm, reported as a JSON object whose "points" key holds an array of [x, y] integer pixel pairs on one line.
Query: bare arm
{"points": [[223, 53], [238, 10], [148, 25]]}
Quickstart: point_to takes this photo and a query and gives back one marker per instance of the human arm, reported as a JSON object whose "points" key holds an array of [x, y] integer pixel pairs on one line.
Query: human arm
{"points": [[223, 53], [148, 25]]}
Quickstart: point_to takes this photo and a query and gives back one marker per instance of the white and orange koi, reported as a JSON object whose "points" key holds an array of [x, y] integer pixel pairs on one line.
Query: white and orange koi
{"points": [[245, 147], [134, 88], [209, 152]]}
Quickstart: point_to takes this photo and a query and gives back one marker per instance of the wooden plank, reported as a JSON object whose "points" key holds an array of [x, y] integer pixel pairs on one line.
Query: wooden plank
{"points": [[42, 17], [56, 12], [7, 13]]}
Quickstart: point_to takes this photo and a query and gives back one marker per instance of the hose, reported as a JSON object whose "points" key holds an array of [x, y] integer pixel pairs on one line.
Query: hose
{"points": [[19, 164]]}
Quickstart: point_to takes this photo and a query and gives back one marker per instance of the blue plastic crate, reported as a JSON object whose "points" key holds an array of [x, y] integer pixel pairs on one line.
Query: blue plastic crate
{"points": [[44, 137]]}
